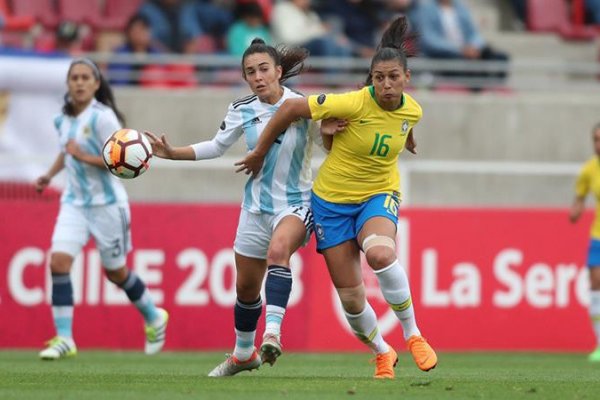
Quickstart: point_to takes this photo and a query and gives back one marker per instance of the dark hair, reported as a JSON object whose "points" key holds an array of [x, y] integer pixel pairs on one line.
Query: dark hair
{"points": [[137, 18], [396, 44], [104, 93], [291, 59], [595, 128]]}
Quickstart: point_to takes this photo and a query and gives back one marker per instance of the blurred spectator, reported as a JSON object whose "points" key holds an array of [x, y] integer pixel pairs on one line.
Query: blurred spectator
{"points": [[592, 8], [520, 9], [214, 19], [361, 21], [295, 23], [249, 24], [68, 40], [138, 42], [173, 24], [446, 30]]}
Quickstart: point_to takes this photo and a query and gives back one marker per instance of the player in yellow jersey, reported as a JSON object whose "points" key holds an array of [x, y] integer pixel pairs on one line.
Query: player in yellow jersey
{"points": [[356, 194], [589, 181]]}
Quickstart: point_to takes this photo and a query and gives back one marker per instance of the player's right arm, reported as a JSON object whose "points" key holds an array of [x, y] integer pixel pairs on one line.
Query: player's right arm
{"points": [[43, 181], [577, 209]]}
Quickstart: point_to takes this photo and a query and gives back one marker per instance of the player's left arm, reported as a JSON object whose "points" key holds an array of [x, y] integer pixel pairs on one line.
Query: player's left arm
{"points": [[577, 209], [77, 152], [582, 188]]}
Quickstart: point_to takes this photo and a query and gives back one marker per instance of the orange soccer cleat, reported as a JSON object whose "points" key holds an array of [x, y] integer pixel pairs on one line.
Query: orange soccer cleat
{"points": [[385, 363], [422, 353]]}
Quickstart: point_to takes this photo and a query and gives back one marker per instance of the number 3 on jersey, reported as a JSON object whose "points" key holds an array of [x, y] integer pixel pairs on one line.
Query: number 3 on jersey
{"points": [[380, 147]]}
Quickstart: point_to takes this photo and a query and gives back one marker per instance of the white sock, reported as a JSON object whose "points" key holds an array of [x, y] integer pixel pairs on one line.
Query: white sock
{"points": [[396, 291], [595, 313], [364, 326], [244, 345], [274, 318]]}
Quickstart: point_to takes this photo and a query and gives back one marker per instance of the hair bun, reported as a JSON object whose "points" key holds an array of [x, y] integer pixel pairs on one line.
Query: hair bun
{"points": [[257, 41]]}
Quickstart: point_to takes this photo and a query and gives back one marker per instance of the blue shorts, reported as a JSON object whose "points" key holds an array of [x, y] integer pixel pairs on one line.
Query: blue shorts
{"points": [[594, 254], [336, 223]]}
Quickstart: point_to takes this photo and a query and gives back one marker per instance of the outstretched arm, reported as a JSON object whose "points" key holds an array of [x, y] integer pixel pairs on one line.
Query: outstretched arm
{"points": [[577, 209], [290, 110]]}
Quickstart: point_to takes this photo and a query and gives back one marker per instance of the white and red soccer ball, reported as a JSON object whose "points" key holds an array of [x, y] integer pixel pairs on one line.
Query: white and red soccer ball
{"points": [[127, 153]]}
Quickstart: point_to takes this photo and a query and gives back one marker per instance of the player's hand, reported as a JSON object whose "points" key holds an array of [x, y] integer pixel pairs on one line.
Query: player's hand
{"points": [[411, 144], [331, 126], [251, 164], [160, 146], [41, 183], [74, 150]]}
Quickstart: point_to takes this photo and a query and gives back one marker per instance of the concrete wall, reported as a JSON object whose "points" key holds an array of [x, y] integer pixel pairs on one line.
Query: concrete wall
{"points": [[548, 127]]}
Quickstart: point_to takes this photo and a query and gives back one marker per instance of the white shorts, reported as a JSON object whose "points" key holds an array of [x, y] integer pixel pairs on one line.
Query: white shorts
{"points": [[109, 225], [254, 231]]}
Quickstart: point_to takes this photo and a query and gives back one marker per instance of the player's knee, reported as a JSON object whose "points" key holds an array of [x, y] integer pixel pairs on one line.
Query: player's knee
{"points": [[117, 276], [278, 253], [353, 299], [379, 250], [60, 263], [247, 291]]}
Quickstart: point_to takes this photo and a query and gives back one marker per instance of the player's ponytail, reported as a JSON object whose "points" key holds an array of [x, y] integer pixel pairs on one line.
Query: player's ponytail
{"points": [[397, 43], [291, 59], [104, 93]]}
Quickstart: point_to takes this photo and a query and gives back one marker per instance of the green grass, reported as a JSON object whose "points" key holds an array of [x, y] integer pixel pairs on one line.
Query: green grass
{"points": [[173, 376]]}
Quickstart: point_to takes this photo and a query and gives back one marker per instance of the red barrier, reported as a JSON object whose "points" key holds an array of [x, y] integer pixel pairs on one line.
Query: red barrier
{"points": [[481, 279]]}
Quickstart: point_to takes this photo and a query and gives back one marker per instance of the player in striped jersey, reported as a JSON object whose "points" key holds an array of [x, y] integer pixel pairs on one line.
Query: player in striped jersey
{"points": [[355, 197], [275, 219], [588, 181], [93, 203]]}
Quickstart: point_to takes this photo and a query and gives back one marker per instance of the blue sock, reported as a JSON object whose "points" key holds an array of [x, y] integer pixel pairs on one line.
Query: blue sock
{"points": [[138, 294], [246, 318], [277, 289], [62, 304]]}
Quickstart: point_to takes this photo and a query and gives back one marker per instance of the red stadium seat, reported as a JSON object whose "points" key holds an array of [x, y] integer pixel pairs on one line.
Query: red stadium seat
{"points": [[118, 13], [80, 11], [553, 16], [41, 10], [14, 23]]}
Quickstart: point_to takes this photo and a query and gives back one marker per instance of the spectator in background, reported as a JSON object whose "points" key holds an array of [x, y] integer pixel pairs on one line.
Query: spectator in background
{"points": [[295, 23], [68, 40], [174, 25], [249, 24], [446, 30], [361, 21], [215, 19], [589, 181], [138, 42], [592, 8]]}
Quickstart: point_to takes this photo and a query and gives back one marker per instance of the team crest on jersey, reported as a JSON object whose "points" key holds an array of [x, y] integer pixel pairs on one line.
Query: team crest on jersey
{"points": [[405, 126], [321, 98], [87, 131]]}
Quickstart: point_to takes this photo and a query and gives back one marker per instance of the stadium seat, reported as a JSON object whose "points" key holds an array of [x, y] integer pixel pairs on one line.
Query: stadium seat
{"points": [[41, 10], [553, 16], [80, 11], [13, 23], [118, 12]]}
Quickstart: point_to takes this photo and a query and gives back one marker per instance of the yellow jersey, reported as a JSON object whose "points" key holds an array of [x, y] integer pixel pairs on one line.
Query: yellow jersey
{"points": [[588, 181], [363, 160]]}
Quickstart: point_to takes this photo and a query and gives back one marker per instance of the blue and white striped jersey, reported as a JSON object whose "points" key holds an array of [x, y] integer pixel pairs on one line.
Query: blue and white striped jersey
{"points": [[285, 178], [88, 185]]}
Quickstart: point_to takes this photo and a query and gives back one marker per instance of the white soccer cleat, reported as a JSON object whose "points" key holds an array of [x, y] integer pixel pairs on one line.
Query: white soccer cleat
{"points": [[270, 348], [59, 347], [232, 366], [156, 332]]}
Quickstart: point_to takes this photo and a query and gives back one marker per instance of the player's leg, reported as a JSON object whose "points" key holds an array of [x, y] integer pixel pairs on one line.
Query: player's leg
{"points": [[377, 232], [594, 308], [343, 264], [289, 234], [70, 235], [247, 310], [251, 243], [112, 233]]}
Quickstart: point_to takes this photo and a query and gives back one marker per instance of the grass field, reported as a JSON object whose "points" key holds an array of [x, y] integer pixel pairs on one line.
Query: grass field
{"points": [[172, 376]]}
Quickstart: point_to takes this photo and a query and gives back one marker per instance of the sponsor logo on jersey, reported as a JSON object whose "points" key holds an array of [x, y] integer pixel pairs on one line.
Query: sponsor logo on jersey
{"points": [[254, 121], [321, 98]]}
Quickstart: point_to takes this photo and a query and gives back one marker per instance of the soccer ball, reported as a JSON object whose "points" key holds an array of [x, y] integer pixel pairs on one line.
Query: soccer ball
{"points": [[127, 153]]}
